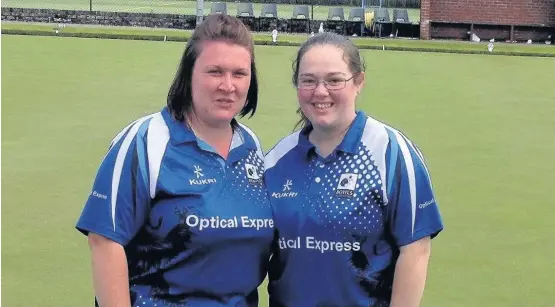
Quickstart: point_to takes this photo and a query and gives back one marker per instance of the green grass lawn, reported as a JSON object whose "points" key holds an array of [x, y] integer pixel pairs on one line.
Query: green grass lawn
{"points": [[167, 6], [485, 125]]}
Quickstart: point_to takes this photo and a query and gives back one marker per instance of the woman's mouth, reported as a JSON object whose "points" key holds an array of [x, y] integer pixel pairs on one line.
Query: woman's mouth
{"points": [[224, 100], [322, 105]]}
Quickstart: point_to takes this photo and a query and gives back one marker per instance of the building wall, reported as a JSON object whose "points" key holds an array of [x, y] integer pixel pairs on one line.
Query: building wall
{"points": [[493, 12]]}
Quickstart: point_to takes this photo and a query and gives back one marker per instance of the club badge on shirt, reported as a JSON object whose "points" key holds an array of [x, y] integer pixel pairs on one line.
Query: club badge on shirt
{"points": [[347, 185], [252, 174]]}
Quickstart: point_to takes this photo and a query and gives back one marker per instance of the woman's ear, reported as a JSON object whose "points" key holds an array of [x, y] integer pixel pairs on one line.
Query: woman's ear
{"points": [[359, 81]]}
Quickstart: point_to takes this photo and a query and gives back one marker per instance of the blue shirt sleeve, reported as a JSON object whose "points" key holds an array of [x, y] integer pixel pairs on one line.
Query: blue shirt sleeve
{"points": [[119, 200], [413, 210]]}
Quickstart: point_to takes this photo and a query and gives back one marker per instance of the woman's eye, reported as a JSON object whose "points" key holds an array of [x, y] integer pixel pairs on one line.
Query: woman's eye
{"points": [[335, 81]]}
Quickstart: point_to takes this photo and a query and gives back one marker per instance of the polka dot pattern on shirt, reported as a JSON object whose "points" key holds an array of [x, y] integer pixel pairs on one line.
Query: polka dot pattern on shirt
{"points": [[250, 188], [350, 198]]}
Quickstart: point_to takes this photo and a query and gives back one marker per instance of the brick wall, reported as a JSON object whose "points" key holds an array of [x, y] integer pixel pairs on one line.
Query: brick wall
{"points": [[494, 12], [425, 10], [512, 12]]}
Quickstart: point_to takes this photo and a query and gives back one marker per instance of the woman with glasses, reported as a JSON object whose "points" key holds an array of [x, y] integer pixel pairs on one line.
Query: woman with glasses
{"points": [[352, 198]]}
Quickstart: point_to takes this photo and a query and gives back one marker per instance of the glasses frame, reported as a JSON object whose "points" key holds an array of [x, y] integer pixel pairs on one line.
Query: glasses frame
{"points": [[315, 86]]}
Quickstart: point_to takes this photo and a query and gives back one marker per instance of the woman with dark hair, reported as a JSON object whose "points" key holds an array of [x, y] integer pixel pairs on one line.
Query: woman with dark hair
{"points": [[178, 214], [352, 198]]}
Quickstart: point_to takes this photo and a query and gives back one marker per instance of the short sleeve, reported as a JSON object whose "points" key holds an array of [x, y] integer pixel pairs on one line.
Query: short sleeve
{"points": [[119, 200], [414, 212]]}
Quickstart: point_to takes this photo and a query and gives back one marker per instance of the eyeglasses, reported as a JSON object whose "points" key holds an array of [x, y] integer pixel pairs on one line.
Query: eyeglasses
{"points": [[332, 84]]}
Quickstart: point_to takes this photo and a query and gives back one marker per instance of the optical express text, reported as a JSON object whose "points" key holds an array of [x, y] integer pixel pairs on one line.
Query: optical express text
{"points": [[233, 222], [319, 245]]}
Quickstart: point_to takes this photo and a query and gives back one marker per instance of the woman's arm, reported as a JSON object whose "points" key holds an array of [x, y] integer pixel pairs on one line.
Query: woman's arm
{"points": [[109, 268], [410, 274], [117, 207]]}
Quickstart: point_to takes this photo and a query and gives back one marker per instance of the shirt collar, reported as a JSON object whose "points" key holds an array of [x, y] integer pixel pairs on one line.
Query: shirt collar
{"points": [[349, 143], [241, 137], [181, 133]]}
